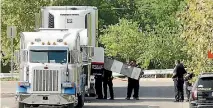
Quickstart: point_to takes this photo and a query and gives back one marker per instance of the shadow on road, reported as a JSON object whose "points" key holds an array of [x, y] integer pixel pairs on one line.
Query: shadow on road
{"points": [[147, 91], [111, 106], [128, 101]]}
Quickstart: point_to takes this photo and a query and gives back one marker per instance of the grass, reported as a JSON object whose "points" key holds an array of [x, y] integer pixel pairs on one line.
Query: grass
{"points": [[9, 79]]}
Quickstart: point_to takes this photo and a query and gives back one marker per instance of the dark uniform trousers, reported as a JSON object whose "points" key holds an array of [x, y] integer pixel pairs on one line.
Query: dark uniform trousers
{"points": [[133, 84], [98, 86], [110, 85], [179, 93]]}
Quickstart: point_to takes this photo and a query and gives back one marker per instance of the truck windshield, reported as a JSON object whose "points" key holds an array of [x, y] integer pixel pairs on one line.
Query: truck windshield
{"points": [[48, 56]]}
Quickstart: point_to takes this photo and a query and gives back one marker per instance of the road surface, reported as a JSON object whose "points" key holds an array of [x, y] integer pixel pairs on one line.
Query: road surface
{"points": [[154, 93]]}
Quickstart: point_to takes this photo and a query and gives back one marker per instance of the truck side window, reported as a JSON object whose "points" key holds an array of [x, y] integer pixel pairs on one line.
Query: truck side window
{"points": [[86, 21], [69, 58]]}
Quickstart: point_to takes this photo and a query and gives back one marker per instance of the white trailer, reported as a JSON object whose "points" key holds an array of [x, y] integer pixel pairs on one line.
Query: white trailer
{"points": [[78, 17], [51, 69]]}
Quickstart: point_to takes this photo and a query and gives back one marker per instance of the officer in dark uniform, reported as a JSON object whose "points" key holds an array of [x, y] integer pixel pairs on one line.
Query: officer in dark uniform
{"points": [[99, 83], [188, 77], [107, 80], [133, 84], [178, 79]]}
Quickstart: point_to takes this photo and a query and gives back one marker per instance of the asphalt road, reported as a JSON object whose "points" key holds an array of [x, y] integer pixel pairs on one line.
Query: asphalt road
{"points": [[153, 94]]}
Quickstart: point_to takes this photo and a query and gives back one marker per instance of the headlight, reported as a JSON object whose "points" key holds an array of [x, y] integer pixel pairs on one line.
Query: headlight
{"points": [[68, 84], [92, 79], [69, 98], [23, 84]]}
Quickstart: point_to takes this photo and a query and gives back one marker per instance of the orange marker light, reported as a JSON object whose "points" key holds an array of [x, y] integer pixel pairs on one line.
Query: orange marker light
{"points": [[43, 43], [54, 43], [65, 43], [48, 43], [45, 67], [210, 55]]}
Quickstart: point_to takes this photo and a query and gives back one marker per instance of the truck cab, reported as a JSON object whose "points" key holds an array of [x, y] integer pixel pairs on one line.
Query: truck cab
{"points": [[59, 59], [51, 69]]}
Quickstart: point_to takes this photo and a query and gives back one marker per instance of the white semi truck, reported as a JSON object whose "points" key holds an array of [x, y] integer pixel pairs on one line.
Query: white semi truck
{"points": [[59, 60]]}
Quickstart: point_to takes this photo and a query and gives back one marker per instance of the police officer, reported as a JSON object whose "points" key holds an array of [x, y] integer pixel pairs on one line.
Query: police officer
{"points": [[178, 79], [107, 80], [99, 83], [188, 77], [133, 84]]}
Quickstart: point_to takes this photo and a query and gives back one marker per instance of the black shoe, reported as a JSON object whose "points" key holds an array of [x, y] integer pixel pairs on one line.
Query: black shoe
{"points": [[105, 97], [111, 98], [127, 98], [176, 101], [180, 100], [187, 100], [136, 98]]}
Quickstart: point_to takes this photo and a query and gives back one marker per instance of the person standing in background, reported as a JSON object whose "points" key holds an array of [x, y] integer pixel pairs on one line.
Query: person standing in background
{"points": [[107, 80], [178, 79], [133, 84], [188, 77], [99, 83]]}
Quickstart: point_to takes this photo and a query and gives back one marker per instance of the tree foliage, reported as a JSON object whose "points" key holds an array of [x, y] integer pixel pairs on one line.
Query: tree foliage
{"points": [[19, 13], [154, 32], [198, 33], [158, 43]]}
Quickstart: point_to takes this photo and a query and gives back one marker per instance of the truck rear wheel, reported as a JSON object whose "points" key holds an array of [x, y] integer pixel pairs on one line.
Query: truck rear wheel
{"points": [[92, 95]]}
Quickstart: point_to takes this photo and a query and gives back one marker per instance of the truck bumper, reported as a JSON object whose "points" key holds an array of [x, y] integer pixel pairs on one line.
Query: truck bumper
{"points": [[43, 99]]}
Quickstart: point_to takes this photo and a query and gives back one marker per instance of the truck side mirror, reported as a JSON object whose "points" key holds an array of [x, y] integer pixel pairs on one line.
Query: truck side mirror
{"points": [[17, 56], [88, 52], [74, 55], [24, 55]]}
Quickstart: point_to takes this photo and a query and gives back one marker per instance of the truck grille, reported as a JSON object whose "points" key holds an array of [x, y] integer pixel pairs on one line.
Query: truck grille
{"points": [[45, 80]]}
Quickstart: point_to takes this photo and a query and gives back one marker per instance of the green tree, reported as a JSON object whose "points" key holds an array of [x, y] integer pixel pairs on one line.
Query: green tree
{"points": [[158, 44], [121, 39], [198, 24], [19, 13]]}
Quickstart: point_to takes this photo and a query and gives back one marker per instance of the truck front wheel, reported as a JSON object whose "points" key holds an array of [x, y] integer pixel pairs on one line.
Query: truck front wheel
{"points": [[21, 105], [70, 106], [80, 103]]}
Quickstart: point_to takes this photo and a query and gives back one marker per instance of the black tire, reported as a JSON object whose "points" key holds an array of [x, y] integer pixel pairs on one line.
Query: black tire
{"points": [[190, 105], [21, 105], [70, 106], [35, 105], [92, 95], [86, 95], [80, 103]]}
